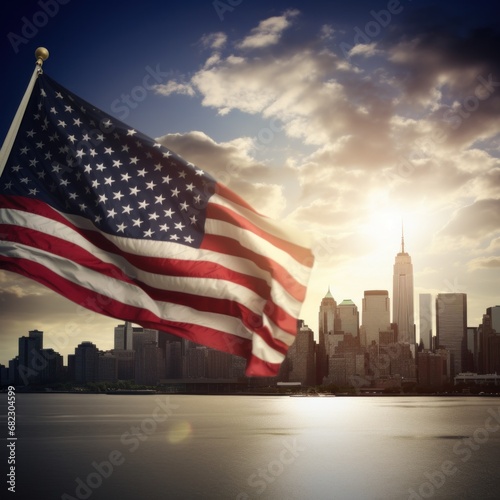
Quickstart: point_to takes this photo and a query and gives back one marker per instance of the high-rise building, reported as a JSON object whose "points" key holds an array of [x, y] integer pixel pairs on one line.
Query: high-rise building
{"points": [[348, 317], [451, 327], [494, 314], [425, 316], [402, 296], [149, 364], [86, 363], [375, 315], [326, 326], [301, 356], [124, 336]]}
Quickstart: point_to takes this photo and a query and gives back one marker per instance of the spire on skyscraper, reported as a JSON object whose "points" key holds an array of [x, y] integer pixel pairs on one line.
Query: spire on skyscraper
{"points": [[402, 238]]}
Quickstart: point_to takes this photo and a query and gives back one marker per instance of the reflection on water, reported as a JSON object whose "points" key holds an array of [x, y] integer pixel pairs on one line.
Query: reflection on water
{"points": [[245, 447]]}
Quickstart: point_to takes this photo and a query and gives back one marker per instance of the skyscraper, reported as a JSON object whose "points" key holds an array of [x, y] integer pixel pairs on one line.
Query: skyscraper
{"points": [[451, 327], [402, 296], [326, 325], [425, 316], [124, 336], [348, 316], [376, 315]]}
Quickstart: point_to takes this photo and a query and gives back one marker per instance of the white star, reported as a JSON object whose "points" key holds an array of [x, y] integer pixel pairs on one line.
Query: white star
{"points": [[34, 191], [153, 216], [121, 228], [188, 239], [108, 151], [137, 222], [24, 150], [85, 137], [59, 95], [77, 122], [150, 185], [189, 187], [63, 182], [159, 199], [118, 195], [158, 166], [48, 155], [24, 180], [166, 180], [125, 148], [100, 166], [56, 168], [93, 152], [141, 173], [72, 138], [111, 213], [73, 196], [199, 172], [103, 198], [125, 177], [30, 133], [107, 123], [80, 153], [16, 168], [175, 192], [87, 169], [97, 219], [184, 206], [61, 123], [108, 180], [134, 160], [117, 163], [193, 219], [174, 237], [169, 212], [127, 209], [83, 207], [179, 225], [167, 154], [143, 204], [182, 174], [134, 190], [39, 145], [33, 162], [148, 233], [53, 110], [164, 227], [131, 132]]}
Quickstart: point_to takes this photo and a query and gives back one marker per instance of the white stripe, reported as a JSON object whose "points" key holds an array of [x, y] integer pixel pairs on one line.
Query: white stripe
{"points": [[134, 296], [254, 242], [271, 226], [157, 248]]}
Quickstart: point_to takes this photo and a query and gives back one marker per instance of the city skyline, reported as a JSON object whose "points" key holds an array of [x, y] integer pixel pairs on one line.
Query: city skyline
{"points": [[341, 119]]}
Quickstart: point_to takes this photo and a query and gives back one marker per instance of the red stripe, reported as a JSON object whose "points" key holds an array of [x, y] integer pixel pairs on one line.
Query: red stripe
{"points": [[113, 308], [228, 246], [220, 305], [300, 254], [257, 367], [223, 191], [156, 265]]}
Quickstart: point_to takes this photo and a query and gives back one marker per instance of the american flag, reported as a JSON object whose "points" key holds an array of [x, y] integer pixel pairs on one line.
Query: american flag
{"points": [[120, 224]]}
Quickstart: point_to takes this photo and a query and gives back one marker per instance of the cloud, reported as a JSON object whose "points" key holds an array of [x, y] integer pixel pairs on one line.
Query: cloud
{"points": [[269, 31], [214, 40], [476, 220], [232, 164], [484, 263], [173, 87]]}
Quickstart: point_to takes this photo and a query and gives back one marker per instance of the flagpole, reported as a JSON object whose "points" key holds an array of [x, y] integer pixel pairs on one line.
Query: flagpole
{"points": [[41, 55]]}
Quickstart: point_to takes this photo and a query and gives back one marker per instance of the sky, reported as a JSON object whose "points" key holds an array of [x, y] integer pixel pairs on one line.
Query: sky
{"points": [[342, 119]]}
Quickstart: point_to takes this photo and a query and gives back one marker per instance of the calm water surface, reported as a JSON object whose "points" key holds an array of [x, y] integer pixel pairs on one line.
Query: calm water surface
{"points": [[247, 447]]}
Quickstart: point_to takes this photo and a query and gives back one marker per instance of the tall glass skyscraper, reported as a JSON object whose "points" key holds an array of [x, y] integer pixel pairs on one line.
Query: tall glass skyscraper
{"points": [[425, 315], [376, 316], [402, 296], [451, 327]]}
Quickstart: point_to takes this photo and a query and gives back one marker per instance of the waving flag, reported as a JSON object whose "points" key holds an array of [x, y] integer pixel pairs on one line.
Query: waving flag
{"points": [[118, 223]]}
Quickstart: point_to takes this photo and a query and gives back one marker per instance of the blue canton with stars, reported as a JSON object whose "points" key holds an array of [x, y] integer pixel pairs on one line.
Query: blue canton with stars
{"points": [[82, 161]]}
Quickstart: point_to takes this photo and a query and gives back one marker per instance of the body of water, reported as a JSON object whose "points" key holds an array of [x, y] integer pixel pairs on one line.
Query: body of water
{"points": [[248, 447]]}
